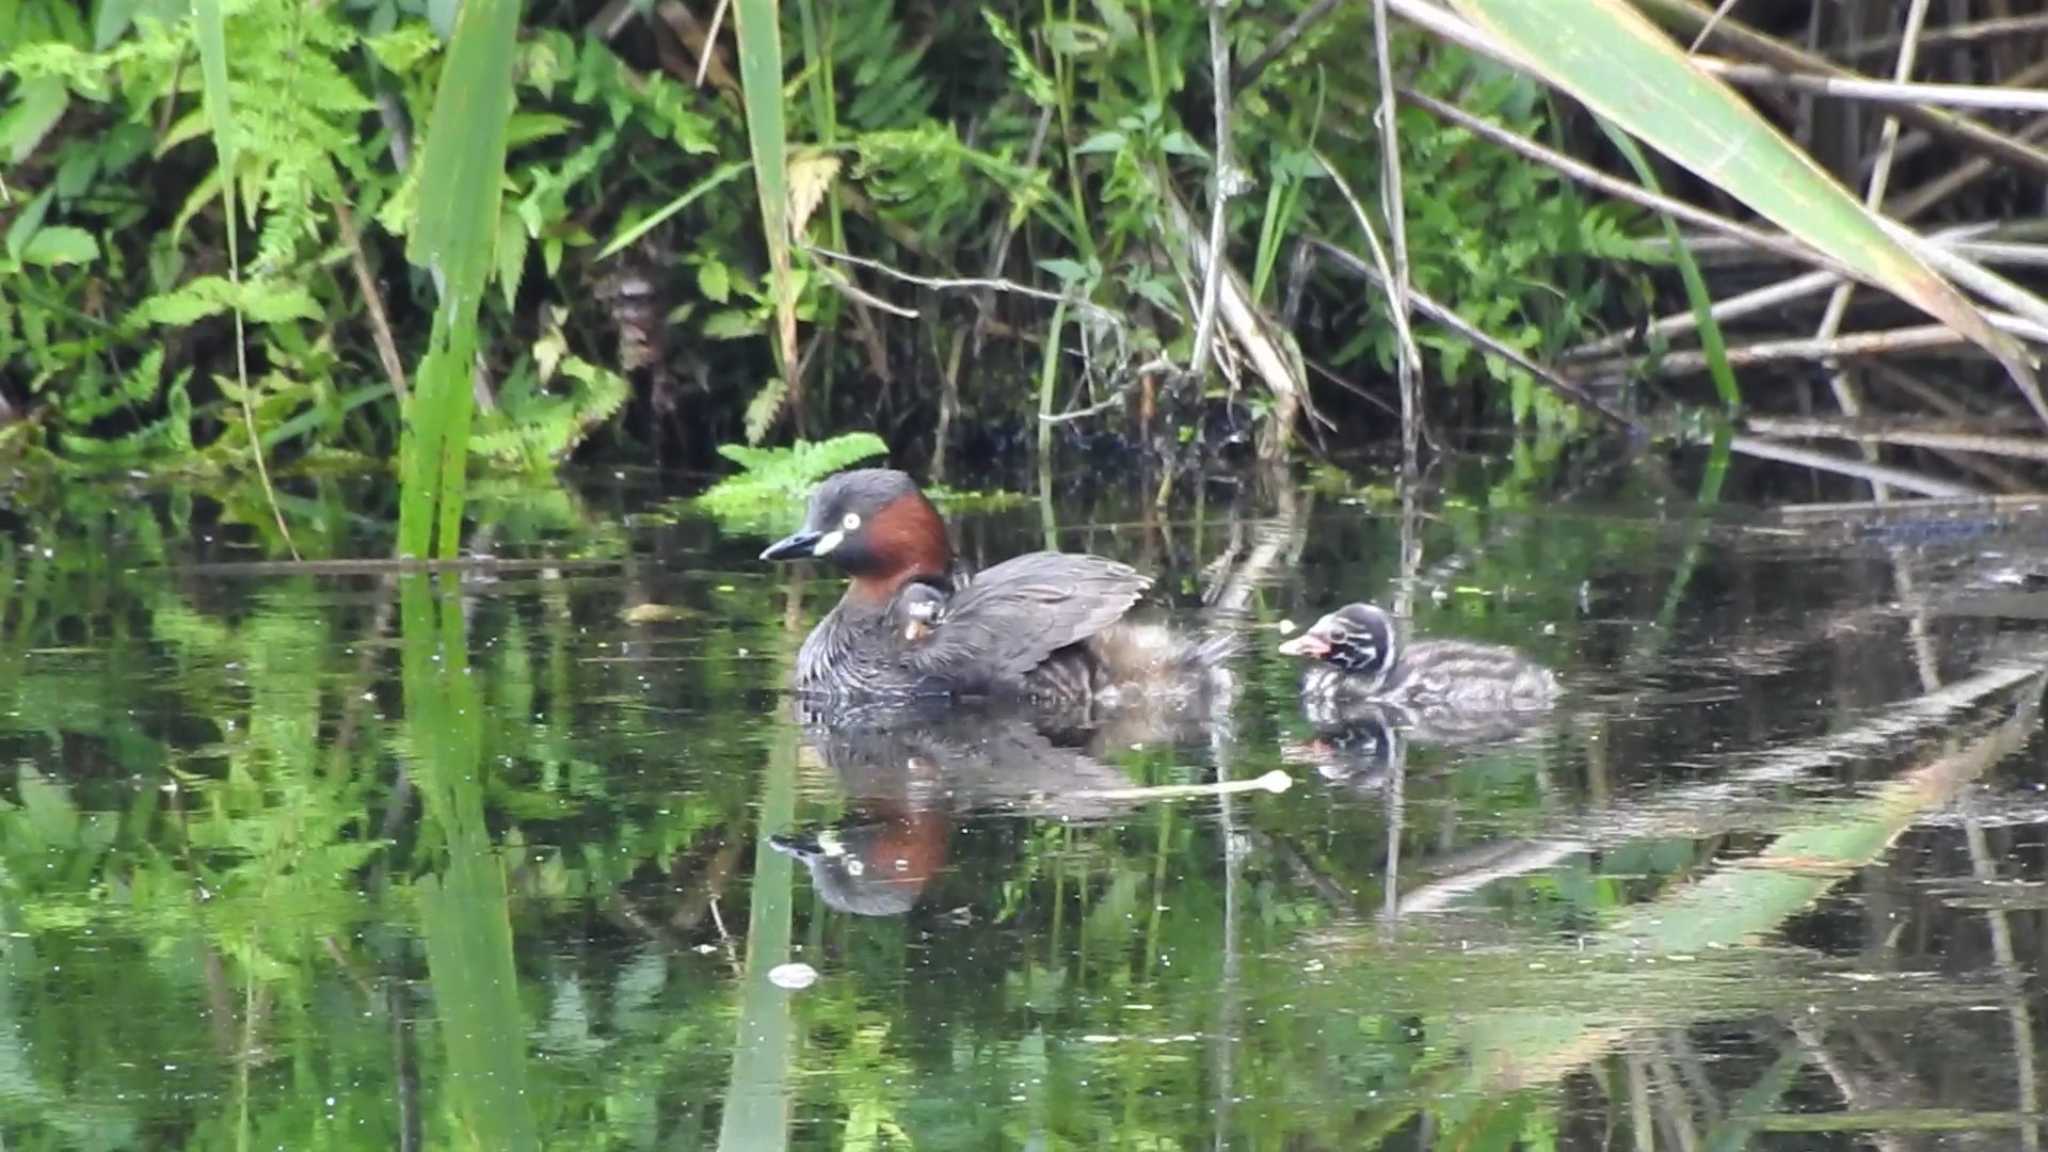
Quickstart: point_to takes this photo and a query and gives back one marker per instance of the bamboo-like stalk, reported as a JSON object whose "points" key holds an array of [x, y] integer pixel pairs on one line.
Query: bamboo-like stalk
{"points": [[1219, 193], [1913, 143], [1993, 29], [1410, 360], [1917, 338], [1766, 299], [1689, 16], [1877, 474], [1839, 382], [1903, 435], [1889, 92], [1608, 56], [1773, 296]]}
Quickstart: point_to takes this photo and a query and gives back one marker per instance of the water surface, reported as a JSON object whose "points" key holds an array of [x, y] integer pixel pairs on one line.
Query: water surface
{"points": [[335, 858]]}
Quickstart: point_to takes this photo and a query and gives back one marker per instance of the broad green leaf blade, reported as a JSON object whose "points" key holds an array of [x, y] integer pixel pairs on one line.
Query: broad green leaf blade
{"points": [[760, 37], [60, 245], [461, 177], [1611, 58], [213, 69], [463, 168]]}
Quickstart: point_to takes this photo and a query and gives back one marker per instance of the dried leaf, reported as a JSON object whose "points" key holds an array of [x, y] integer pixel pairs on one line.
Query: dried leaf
{"points": [[810, 176]]}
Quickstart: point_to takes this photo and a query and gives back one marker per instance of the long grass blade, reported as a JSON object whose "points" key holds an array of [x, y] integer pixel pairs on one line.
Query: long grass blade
{"points": [[1712, 345], [460, 182], [760, 36], [625, 239]]}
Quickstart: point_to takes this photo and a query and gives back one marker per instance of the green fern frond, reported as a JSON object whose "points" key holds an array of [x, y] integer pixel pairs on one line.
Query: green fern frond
{"points": [[1037, 85], [768, 494], [262, 302], [538, 430], [764, 408]]}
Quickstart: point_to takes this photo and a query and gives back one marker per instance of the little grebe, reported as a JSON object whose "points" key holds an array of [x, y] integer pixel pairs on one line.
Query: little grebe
{"points": [[1361, 658], [909, 626]]}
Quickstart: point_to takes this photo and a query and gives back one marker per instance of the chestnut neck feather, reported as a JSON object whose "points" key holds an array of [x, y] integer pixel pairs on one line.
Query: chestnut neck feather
{"points": [[905, 541]]}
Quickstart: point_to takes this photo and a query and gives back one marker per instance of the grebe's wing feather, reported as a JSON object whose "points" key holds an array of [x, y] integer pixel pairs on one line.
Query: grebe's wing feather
{"points": [[1012, 616]]}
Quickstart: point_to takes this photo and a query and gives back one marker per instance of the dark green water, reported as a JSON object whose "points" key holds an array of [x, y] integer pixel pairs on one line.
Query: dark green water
{"points": [[336, 860]]}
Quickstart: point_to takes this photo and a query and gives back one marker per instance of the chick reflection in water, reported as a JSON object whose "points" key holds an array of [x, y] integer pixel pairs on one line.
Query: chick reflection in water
{"points": [[1370, 692], [909, 776]]}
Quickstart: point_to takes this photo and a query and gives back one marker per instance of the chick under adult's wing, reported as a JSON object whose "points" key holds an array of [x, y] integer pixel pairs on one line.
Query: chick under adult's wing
{"points": [[1009, 618]]}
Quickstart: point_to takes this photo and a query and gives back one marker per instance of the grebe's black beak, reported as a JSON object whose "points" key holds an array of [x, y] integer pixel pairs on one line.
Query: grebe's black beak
{"points": [[802, 845], [797, 546]]}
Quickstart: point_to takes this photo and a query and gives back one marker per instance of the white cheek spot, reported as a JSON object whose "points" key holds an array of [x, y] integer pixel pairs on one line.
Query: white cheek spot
{"points": [[827, 543], [849, 522], [855, 868]]}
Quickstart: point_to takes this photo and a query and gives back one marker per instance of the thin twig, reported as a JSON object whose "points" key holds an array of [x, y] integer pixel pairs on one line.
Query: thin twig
{"points": [[1910, 205], [999, 252], [1917, 141], [1708, 28], [1269, 351], [1879, 91], [1410, 366], [1219, 192], [242, 388], [1620, 189], [1839, 383], [1984, 282], [1721, 250], [1904, 435], [1767, 298], [1275, 781], [1953, 34], [1919, 338], [710, 43], [373, 302], [942, 283], [1855, 469], [1748, 42], [1113, 400], [1456, 323], [1405, 337]]}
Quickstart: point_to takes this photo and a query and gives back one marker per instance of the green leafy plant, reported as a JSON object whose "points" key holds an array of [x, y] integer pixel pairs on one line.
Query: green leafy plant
{"points": [[772, 480]]}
